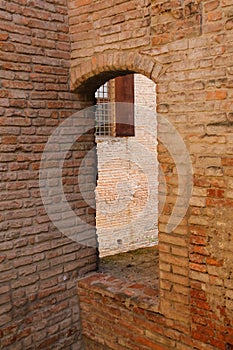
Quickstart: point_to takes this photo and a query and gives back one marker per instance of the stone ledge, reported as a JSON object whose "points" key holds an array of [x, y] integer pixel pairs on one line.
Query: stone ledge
{"points": [[130, 294]]}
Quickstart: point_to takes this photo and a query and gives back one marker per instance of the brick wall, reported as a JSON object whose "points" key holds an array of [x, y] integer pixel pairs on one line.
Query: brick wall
{"points": [[119, 315], [124, 191], [39, 266], [186, 48], [145, 92]]}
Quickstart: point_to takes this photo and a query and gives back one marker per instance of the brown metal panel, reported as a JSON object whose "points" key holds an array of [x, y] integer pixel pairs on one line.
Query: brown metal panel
{"points": [[124, 92]]}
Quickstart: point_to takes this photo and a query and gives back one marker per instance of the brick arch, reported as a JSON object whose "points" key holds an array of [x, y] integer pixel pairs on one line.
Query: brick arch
{"points": [[89, 75], [85, 78]]}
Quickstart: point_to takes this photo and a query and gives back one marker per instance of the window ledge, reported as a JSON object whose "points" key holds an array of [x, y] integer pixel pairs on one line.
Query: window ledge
{"points": [[130, 294]]}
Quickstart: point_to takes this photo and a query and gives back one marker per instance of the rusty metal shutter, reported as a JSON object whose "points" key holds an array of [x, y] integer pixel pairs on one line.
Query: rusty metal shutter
{"points": [[124, 92]]}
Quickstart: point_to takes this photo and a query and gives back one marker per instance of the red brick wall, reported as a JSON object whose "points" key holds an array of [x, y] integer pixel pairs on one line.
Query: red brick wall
{"points": [[186, 48], [118, 315], [39, 266], [121, 316]]}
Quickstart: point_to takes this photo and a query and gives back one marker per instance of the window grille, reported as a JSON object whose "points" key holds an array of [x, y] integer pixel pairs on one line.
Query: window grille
{"points": [[115, 120], [104, 115]]}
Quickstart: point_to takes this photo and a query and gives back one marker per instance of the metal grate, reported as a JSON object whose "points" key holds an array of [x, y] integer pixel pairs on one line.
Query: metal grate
{"points": [[104, 123]]}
